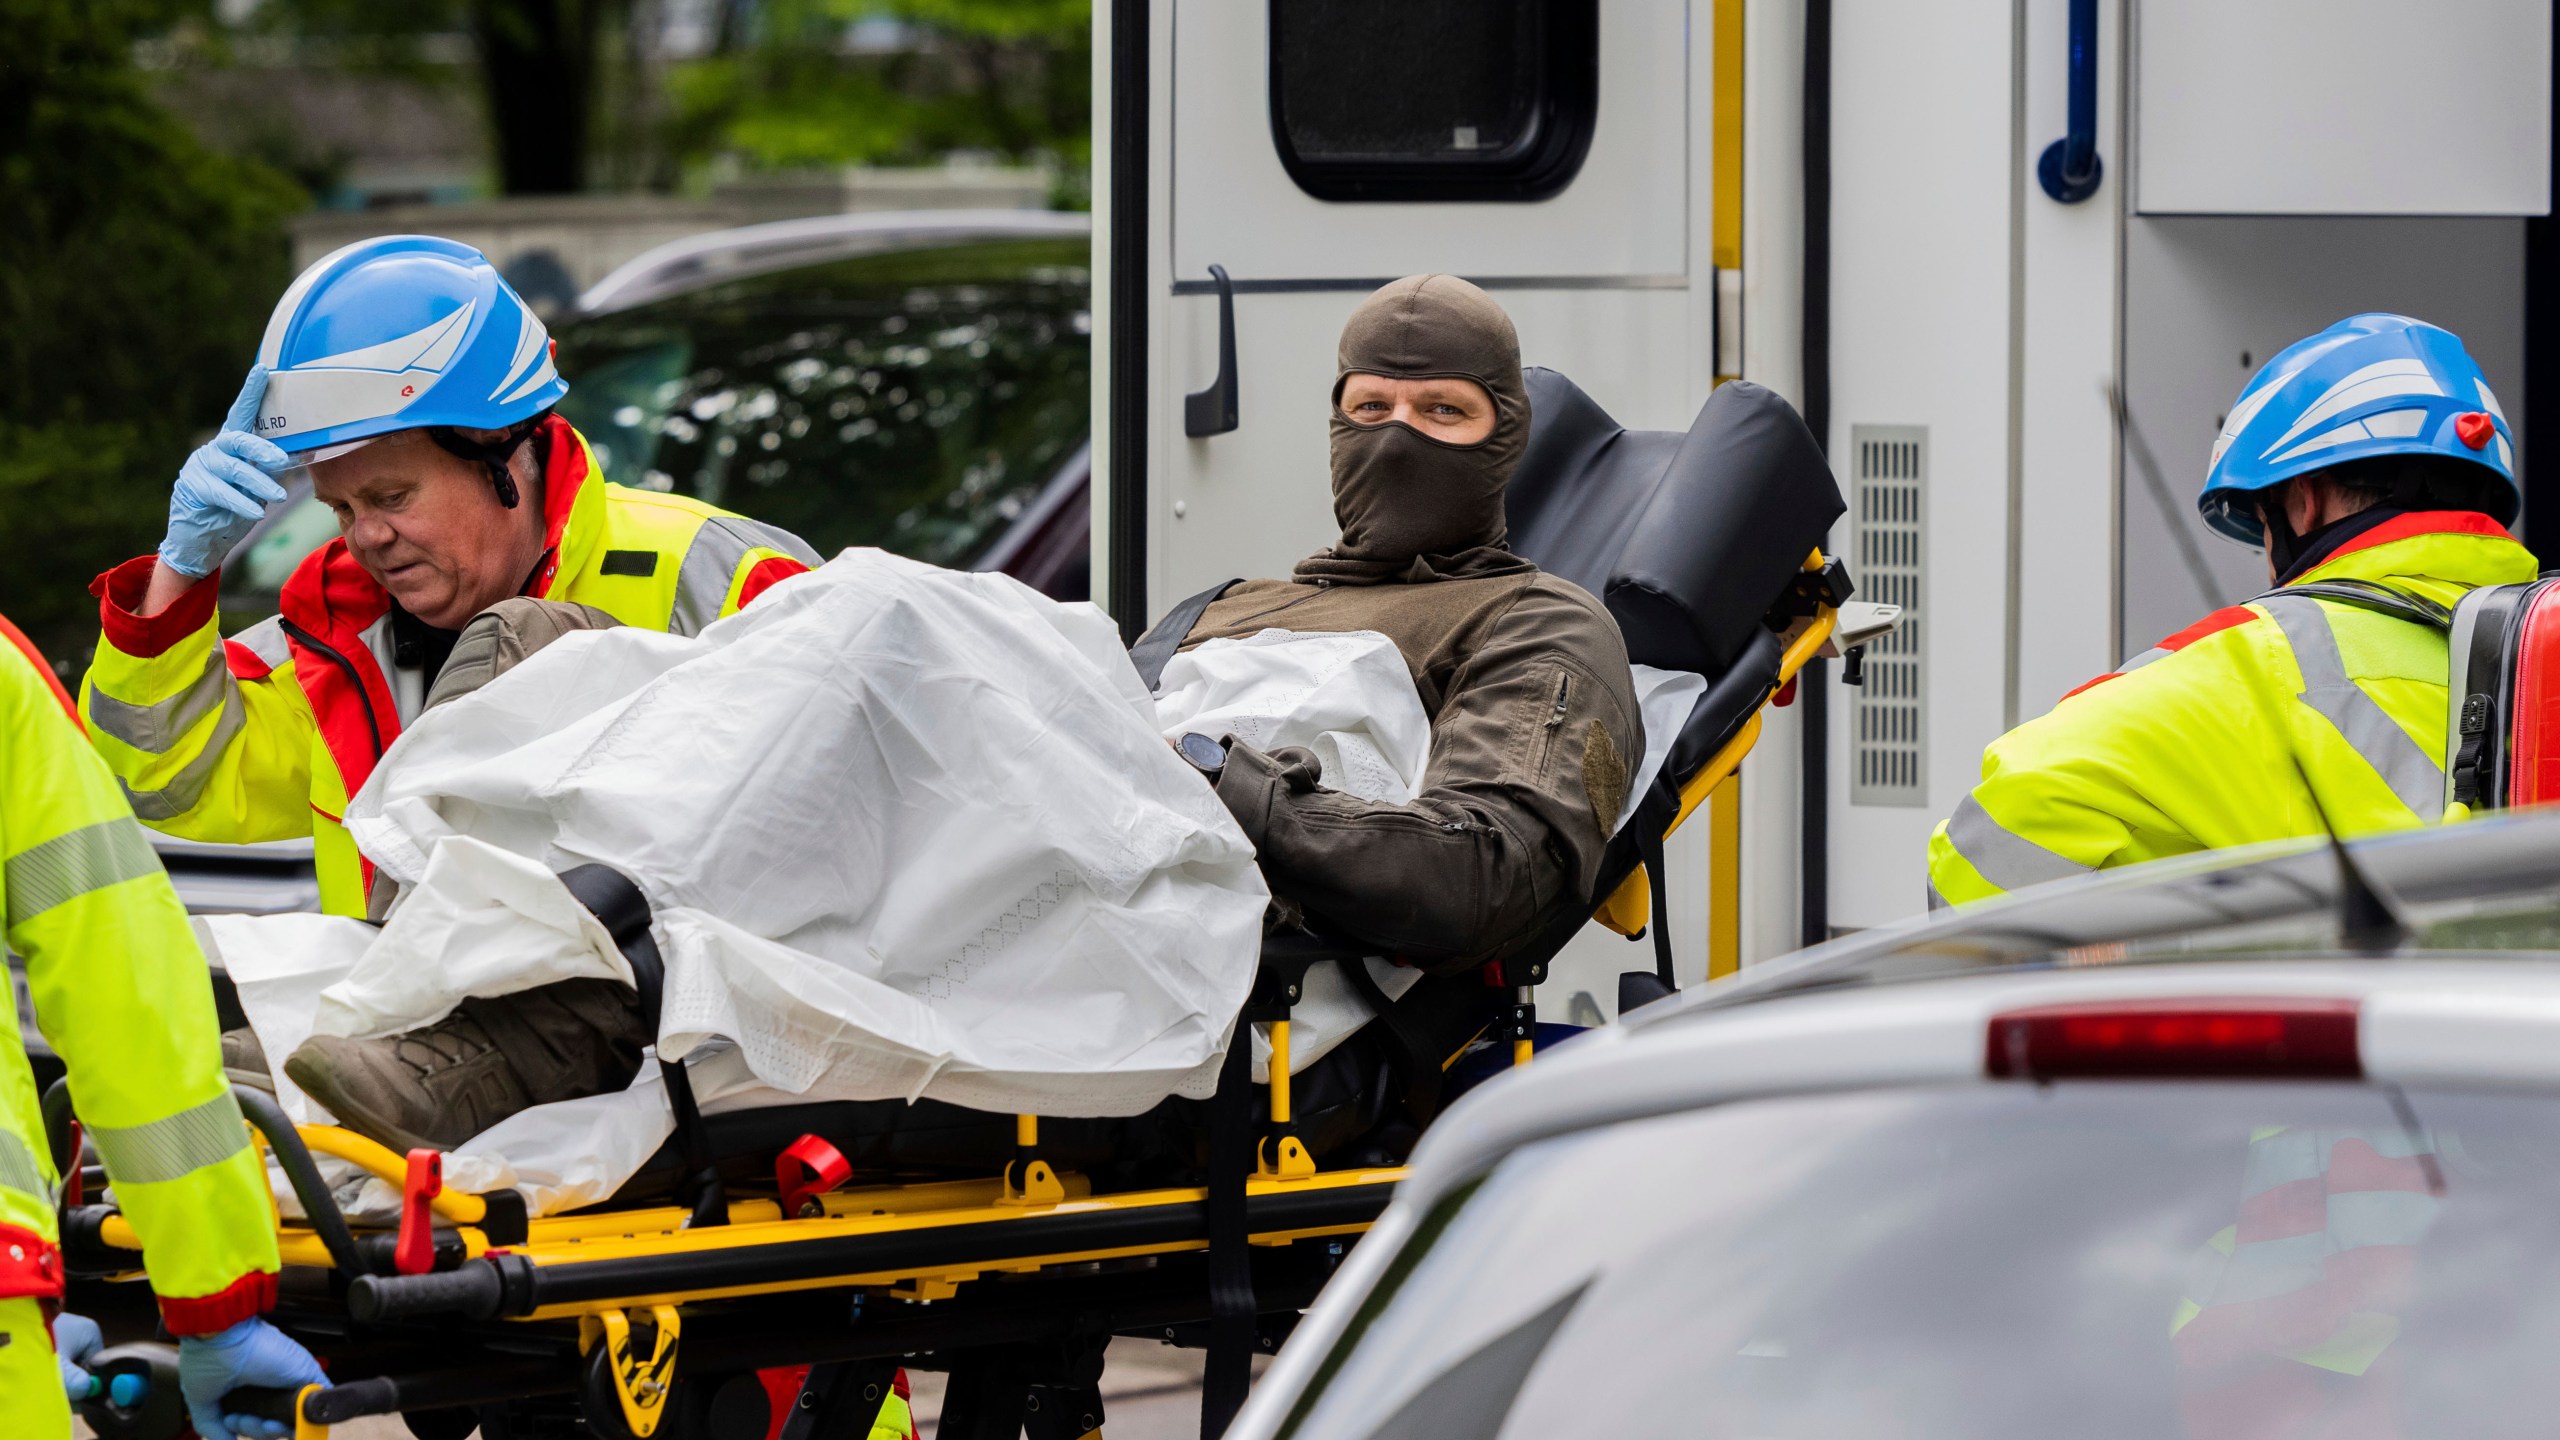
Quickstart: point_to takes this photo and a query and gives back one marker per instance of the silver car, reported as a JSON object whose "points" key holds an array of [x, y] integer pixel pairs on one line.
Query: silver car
{"points": [[2213, 1147]]}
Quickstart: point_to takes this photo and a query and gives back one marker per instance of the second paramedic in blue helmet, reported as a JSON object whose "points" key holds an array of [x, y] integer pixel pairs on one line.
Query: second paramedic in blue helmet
{"points": [[417, 389], [2371, 459]]}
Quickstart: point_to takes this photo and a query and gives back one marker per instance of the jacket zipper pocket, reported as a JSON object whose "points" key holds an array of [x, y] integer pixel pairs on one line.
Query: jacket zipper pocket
{"points": [[1554, 722]]}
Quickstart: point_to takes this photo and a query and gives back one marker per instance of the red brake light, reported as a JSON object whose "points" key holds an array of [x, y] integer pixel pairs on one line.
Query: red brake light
{"points": [[2250, 1037]]}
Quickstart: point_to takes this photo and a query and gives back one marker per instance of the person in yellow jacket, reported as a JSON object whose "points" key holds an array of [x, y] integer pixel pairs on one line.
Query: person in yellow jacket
{"points": [[2374, 465], [418, 389], [122, 995]]}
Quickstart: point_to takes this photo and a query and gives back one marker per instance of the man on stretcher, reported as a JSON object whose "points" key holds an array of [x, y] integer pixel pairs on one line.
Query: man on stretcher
{"points": [[1533, 735]]}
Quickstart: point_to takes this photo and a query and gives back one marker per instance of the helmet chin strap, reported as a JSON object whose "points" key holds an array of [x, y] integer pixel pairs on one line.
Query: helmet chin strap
{"points": [[2282, 544], [497, 455]]}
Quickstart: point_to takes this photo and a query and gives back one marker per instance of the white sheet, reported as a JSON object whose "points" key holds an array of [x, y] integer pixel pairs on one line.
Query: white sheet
{"points": [[898, 840]]}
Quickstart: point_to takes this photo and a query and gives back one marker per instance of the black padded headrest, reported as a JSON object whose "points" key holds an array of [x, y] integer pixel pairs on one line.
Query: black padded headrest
{"points": [[1688, 538]]}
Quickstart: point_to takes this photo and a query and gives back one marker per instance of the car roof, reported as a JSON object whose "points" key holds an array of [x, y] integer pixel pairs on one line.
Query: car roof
{"points": [[2212, 902], [698, 261]]}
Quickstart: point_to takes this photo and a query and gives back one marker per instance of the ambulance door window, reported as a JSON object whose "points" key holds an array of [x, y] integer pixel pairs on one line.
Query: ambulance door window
{"points": [[1433, 99]]}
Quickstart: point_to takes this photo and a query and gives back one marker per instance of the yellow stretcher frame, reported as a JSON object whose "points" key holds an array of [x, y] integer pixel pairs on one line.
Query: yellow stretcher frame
{"points": [[983, 1208]]}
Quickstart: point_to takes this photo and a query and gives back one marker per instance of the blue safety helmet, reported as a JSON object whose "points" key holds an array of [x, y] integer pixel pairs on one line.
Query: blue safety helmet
{"points": [[2369, 385], [397, 333]]}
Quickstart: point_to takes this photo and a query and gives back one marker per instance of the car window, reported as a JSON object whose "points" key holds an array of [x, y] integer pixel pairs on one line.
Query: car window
{"points": [[916, 401], [2095, 1259]]}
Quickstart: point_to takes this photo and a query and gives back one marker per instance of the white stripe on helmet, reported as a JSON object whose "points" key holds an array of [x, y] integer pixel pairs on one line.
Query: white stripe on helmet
{"points": [[2381, 380], [530, 341], [429, 349]]}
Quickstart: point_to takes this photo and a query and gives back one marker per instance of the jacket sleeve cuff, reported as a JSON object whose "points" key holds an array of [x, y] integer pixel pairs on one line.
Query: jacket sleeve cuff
{"points": [[120, 593], [1247, 787], [1253, 783], [246, 1298]]}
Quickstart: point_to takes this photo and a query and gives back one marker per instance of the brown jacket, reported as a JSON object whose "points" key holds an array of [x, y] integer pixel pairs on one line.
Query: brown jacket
{"points": [[1534, 734]]}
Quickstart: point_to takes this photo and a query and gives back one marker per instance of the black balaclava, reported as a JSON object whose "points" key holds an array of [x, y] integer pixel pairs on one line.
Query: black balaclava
{"points": [[1412, 507]]}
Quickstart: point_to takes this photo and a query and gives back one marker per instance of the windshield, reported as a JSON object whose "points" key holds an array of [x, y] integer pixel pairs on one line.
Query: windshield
{"points": [[2096, 1259], [916, 401]]}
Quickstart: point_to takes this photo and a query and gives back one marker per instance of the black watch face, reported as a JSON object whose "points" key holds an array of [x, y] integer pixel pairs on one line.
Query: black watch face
{"points": [[1203, 752]]}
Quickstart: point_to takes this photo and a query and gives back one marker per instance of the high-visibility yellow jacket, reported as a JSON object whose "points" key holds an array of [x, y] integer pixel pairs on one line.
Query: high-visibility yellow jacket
{"points": [[264, 736], [122, 995], [2252, 724]]}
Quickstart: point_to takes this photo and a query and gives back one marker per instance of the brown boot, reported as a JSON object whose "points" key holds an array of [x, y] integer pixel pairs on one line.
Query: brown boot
{"points": [[441, 1085], [431, 1088], [244, 1060]]}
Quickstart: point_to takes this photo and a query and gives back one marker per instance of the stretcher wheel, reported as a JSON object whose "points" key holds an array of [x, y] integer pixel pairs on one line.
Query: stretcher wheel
{"points": [[161, 1414]]}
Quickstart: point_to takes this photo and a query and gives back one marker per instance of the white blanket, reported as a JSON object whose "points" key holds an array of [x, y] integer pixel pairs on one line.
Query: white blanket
{"points": [[905, 832]]}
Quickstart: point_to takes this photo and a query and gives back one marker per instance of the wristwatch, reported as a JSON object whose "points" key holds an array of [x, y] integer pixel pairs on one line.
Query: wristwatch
{"points": [[1206, 755]]}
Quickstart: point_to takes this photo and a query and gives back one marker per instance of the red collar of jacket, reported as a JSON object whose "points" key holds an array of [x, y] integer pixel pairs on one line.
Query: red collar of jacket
{"points": [[330, 600]]}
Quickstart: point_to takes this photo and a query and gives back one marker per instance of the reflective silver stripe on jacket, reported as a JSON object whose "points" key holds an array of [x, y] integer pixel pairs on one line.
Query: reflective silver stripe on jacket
{"points": [[174, 1145], [18, 1168], [2156, 652], [2002, 856], [2411, 772], [187, 786], [711, 563], [71, 865], [156, 727]]}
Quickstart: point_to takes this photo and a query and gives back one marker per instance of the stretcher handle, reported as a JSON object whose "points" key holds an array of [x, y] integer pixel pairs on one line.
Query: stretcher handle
{"points": [[317, 1205], [334, 1405], [474, 1291], [263, 1402]]}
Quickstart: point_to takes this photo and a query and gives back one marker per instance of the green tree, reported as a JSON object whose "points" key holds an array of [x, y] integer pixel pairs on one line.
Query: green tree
{"points": [[1011, 78], [136, 270]]}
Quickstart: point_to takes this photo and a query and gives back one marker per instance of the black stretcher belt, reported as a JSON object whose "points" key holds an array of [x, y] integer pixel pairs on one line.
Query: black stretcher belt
{"points": [[616, 901], [1232, 1309], [1411, 1054], [1156, 648]]}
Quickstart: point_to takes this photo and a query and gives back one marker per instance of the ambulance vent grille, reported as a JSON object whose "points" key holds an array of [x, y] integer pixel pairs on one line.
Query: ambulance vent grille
{"points": [[1887, 759]]}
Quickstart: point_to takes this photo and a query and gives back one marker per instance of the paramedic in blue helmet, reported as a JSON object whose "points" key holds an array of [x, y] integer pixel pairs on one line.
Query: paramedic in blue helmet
{"points": [[417, 389], [2373, 466]]}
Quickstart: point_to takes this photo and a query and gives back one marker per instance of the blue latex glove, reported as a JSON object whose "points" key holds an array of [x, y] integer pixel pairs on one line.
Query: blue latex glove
{"points": [[75, 1340], [252, 1352], [224, 487]]}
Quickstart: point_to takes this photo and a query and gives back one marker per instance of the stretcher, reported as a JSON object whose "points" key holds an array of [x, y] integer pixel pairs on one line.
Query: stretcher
{"points": [[704, 1305]]}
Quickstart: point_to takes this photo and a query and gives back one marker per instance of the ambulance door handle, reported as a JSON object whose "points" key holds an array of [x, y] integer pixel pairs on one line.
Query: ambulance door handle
{"points": [[2069, 170], [1213, 411]]}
